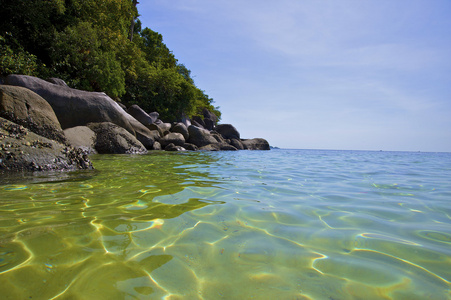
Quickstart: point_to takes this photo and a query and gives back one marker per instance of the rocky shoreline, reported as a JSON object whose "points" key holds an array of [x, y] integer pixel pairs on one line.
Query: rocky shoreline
{"points": [[46, 125]]}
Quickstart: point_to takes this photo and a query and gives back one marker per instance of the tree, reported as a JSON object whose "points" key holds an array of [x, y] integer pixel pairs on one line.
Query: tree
{"points": [[98, 46]]}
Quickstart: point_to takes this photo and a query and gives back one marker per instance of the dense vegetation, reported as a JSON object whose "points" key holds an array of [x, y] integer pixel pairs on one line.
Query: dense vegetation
{"points": [[98, 45]]}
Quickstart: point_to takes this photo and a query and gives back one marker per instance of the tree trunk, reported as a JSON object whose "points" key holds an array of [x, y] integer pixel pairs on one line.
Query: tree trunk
{"points": [[132, 26]]}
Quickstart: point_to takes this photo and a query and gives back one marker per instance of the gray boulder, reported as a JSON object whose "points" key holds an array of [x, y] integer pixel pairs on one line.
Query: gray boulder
{"points": [[26, 108], [172, 147], [228, 131], [181, 128], [122, 106], [165, 128], [198, 120], [255, 144], [172, 138], [236, 143], [57, 81], [218, 137], [185, 120], [112, 139], [78, 108], [218, 147], [210, 119], [155, 127], [81, 137], [139, 114], [200, 137], [157, 146], [210, 147], [154, 117], [190, 147]]}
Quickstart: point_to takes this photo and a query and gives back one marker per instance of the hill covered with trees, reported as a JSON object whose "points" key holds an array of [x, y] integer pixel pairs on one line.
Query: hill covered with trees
{"points": [[98, 46]]}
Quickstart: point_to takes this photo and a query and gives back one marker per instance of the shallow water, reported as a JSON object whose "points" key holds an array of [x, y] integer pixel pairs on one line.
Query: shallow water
{"points": [[279, 224]]}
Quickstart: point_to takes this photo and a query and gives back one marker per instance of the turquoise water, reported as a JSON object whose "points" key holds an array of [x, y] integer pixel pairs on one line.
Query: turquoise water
{"points": [[279, 224]]}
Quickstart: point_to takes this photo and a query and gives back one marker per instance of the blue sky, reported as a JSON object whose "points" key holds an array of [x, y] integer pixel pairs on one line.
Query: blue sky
{"points": [[310, 74]]}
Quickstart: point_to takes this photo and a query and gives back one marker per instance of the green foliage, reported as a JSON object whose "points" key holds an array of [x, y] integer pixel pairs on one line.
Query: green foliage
{"points": [[155, 51], [85, 57], [16, 62], [87, 43]]}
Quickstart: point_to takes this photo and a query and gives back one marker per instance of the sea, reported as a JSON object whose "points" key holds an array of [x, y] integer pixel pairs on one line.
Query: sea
{"points": [[278, 224]]}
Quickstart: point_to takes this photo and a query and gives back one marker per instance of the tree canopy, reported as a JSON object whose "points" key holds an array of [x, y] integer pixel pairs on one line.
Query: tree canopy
{"points": [[98, 46]]}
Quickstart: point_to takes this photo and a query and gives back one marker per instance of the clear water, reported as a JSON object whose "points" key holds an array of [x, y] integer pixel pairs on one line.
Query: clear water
{"points": [[280, 224]]}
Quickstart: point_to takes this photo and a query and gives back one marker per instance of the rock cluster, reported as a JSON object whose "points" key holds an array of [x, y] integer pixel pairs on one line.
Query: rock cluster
{"points": [[46, 125]]}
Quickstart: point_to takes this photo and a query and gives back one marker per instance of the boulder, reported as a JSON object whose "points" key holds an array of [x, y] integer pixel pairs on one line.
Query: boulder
{"points": [[139, 114], [210, 119], [181, 128], [57, 81], [228, 131], [218, 147], [112, 139], [165, 128], [172, 138], [78, 108], [190, 147], [122, 106], [172, 147], [218, 137], [236, 143], [24, 150], [26, 108], [185, 120], [227, 147], [155, 127], [195, 123], [154, 116], [200, 137], [81, 137], [209, 115], [196, 120], [210, 147], [157, 146], [255, 144]]}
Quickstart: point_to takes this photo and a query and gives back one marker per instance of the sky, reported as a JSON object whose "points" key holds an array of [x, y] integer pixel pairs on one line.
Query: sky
{"points": [[319, 74]]}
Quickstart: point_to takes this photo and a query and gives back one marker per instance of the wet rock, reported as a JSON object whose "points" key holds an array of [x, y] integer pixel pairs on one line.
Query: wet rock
{"points": [[172, 147], [190, 147], [218, 147], [32, 152]]}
